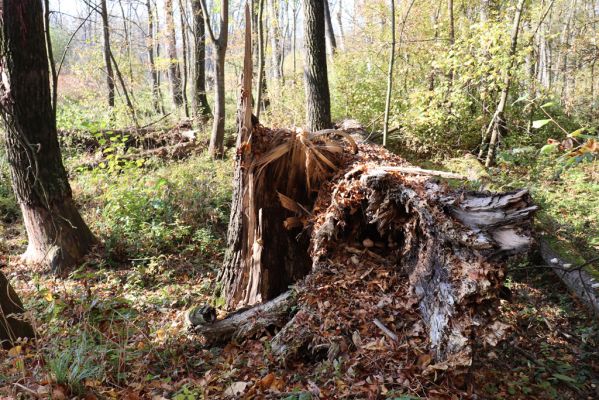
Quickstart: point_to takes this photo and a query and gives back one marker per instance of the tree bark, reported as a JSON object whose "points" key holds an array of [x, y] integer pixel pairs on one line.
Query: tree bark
{"points": [[275, 39], [451, 34], [150, 49], [12, 323], [318, 101], [499, 124], [389, 76], [171, 43], [201, 109], [107, 52], [261, 81], [329, 27], [184, 51], [220, 50], [57, 235]]}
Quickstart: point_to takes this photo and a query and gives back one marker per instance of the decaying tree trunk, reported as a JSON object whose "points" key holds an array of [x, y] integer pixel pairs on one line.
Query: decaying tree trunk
{"points": [[384, 249], [12, 323]]}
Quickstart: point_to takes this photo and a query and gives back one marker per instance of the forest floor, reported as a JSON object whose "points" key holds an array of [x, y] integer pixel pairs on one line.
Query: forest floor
{"points": [[114, 328]]}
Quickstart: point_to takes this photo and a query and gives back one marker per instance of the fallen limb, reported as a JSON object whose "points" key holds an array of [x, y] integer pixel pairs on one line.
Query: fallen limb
{"points": [[177, 151], [247, 323], [420, 171], [579, 281]]}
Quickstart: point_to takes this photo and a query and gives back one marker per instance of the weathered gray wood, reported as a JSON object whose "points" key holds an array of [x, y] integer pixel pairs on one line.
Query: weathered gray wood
{"points": [[452, 247], [247, 323], [579, 281]]}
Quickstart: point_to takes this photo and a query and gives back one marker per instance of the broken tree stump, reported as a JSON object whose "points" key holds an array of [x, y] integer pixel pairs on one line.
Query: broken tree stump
{"points": [[365, 237]]}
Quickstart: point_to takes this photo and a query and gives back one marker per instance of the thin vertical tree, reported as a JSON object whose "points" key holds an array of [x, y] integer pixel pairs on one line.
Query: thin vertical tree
{"points": [[220, 50], [58, 236], [184, 51], [451, 34], [260, 82], [389, 76], [329, 27], [171, 45], [318, 99], [201, 109], [276, 40], [156, 101], [499, 124], [106, 52]]}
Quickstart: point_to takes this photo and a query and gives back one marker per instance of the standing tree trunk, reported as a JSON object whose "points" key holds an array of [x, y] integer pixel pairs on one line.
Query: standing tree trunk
{"points": [[58, 236], [329, 27], [293, 39], [12, 323], [184, 50], [201, 109], [220, 50], [107, 52], [451, 34], [318, 100], [150, 49], [261, 81], [340, 22], [499, 127], [275, 39], [159, 74], [171, 43], [389, 75]]}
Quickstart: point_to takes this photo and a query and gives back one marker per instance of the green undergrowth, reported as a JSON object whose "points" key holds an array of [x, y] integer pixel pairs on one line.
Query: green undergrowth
{"points": [[177, 208]]}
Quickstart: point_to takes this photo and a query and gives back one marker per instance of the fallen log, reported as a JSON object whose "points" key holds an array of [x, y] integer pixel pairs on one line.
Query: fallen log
{"points": [[243, 324], [576, 278], [145, 138], [175, 152]]}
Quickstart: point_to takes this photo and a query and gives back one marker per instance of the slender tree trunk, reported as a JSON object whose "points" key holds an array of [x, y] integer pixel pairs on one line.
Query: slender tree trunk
{"points": [[106, 50], [261, 75], [201, 109], [127, 37], [220, 49], [150, 50], [389, 76], [340, 22], [499, 128], [329, 27], [451, 34], [171, 42], [12, 323], [158, 74], [294, 39], [565, 50], [318, 101], [57, 235], [53, 74], [121, 80], [275, 39], [184, 50]]}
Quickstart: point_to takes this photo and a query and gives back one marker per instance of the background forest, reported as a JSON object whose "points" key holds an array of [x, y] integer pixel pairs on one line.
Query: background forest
{"points": [[146, 96]]}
